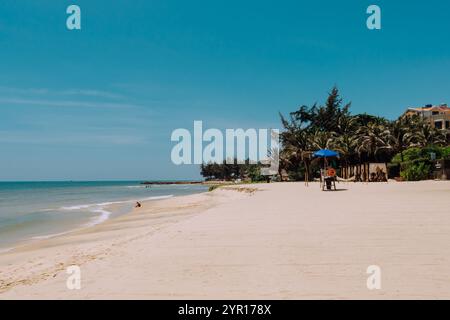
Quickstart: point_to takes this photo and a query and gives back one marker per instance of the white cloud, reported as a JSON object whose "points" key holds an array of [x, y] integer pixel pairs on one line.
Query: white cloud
{"points": [[66, 103], [65, 92], [92, 93], [70, 138]]}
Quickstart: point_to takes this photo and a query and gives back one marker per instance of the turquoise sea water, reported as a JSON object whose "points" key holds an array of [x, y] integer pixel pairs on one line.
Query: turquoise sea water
{"points": [[34, 210]]}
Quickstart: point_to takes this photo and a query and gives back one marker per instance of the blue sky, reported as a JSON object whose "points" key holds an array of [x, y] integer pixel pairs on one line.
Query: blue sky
{"points": [[101, 103]]}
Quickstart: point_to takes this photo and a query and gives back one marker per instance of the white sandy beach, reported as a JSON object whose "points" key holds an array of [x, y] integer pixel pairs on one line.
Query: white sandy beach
{"points": [[283, 241]]}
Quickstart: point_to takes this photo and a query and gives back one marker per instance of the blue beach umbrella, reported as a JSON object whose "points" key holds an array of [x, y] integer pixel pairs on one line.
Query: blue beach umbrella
{"points": [[325, 153]]}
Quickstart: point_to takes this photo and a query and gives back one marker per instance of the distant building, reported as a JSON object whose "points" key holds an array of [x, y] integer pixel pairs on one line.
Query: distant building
{"points": [[437, 116]]}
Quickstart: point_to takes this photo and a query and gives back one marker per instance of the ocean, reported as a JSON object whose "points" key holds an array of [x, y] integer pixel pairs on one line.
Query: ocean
{"points": [[37, 210]]}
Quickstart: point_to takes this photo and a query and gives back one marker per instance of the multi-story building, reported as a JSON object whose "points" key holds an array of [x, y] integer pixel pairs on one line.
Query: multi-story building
{"points": [[437, 116]]}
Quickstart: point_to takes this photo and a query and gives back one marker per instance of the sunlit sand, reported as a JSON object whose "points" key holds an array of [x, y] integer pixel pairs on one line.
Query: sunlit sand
{"points": [[282, 241]]}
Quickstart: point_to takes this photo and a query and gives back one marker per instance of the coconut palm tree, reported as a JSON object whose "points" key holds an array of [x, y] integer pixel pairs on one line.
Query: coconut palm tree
{"points": [[322, 139], [295, 141], [372, 139], [401, 135], [346, 145], [427, 135]]}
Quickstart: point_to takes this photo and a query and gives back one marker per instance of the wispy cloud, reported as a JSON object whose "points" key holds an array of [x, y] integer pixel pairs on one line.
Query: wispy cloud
{"points": [[92, 93], [71, 97], [71, 138], [65, 103], [66, 92], [25, 91]]}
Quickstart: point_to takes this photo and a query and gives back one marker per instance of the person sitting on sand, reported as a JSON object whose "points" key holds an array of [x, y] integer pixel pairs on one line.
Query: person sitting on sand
{"points": [[138, 204]]}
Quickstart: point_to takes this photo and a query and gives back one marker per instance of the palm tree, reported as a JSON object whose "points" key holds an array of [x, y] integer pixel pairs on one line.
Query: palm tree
{"points": [[295, 141], [346, 145], [347, 124], [372, 139], [401, 135], [427, 135], [322, 139]]}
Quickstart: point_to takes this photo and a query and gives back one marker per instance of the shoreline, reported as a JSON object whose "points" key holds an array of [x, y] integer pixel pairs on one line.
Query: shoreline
{"points": [[80, 246], [104, 209], [284, 241]]}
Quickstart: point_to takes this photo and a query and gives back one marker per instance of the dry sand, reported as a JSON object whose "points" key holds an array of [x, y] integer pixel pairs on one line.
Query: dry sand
{"points": [[284, 241]]}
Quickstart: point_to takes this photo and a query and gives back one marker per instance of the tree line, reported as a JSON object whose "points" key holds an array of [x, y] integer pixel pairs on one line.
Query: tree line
{"points": [[359, 138]]}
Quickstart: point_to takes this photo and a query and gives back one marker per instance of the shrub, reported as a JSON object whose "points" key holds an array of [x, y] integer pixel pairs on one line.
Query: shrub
{"points": [[414, 154], [426, 152], [416, 171], [213, 187], [408, 155], [254, 173], [446, 152]]}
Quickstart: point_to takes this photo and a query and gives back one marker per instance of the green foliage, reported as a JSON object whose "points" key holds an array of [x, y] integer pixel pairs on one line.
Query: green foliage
{"points": [[408, 155], [213, 187], [324, 118], [253, 171], [362, 138], [446, 152], [231, 171], [428, 150], [416, 153], [221, 171], [358, 138], [415, 171], [364, 119]]}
